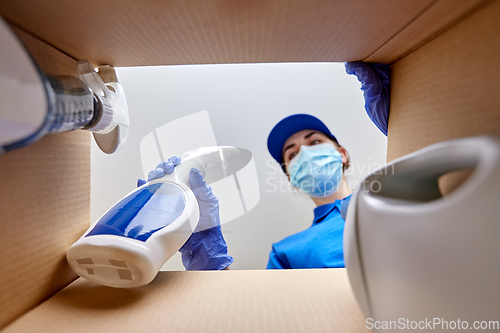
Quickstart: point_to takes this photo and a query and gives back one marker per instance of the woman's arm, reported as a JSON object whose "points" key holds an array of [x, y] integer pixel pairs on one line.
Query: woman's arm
{"points": [[275, 262]]}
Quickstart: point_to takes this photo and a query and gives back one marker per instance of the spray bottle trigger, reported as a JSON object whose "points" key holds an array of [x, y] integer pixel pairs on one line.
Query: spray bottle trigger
{"points": [[88, 75]]}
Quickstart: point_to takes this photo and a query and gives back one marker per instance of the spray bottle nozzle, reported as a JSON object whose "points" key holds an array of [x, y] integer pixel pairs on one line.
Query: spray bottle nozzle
{"points": [[111, 130], [35, 104]]}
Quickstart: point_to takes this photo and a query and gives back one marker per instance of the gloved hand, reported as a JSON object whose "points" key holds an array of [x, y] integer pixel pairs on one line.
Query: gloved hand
{"points": [[376, 85], [206, 248]]}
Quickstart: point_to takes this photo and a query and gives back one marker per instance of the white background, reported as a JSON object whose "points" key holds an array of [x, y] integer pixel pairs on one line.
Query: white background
{"points": [[244, 102]]}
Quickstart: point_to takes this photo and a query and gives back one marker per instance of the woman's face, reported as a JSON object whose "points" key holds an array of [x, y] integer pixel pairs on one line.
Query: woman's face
{"points": [[309, 138]]}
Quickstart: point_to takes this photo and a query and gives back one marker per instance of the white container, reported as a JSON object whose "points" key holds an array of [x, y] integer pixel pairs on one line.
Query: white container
{"points": [[133, 239], [414, 255]]}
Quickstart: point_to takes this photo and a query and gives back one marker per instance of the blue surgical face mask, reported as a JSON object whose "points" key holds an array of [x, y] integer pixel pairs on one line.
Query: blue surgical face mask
{"points": [[316, 170]]}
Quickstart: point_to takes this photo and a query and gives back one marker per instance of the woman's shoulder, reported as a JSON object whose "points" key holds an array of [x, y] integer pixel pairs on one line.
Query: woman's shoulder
{"points": [[292, 241]]}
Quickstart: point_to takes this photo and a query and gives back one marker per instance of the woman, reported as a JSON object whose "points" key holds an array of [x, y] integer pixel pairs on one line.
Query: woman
{"points": [[314, 162]]}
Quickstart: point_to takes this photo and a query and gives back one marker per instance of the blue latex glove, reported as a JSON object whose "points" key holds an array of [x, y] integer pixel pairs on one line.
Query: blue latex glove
{"points": [[375, 83], [162, 169], [206, 248]]}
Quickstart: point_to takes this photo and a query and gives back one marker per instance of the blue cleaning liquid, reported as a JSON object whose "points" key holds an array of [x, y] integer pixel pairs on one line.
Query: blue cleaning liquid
{"points": [[145, 211]]}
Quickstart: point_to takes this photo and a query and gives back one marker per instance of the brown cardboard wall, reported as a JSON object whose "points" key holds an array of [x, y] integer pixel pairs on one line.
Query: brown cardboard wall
{"points": [[439, 16], [448, 88], [44, 205], [305, 300], [157, 32]]}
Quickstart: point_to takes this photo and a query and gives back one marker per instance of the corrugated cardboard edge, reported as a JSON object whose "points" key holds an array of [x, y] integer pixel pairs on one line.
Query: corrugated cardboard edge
{"points": [[448, 87], [438, 17], [44, 205], [213, 31], [314, 300]]}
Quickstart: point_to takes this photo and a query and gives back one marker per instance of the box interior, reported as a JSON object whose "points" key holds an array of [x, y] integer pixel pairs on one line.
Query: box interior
{"points": [[444, 72]]}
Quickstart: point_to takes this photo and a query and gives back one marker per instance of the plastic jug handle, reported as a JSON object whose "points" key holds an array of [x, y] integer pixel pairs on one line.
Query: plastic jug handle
{"points": [[415, 176]]}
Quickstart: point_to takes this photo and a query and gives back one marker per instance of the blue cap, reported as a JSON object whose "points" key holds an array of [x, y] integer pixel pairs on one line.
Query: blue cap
{"points": [[289, 126]]}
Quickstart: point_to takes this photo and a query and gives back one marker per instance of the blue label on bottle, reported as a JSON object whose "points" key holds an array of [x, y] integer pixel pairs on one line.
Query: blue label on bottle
{"points": [[142, 213]]}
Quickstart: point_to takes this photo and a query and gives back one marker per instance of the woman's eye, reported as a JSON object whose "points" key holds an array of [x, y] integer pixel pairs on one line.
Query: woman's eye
{"points": [[315, 142], [292, 155]]}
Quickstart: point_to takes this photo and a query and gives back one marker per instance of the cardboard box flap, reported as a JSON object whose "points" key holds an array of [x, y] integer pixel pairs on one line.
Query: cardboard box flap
{"points": [[438, 17], [214, 32], [447, 88], [318, 300]]}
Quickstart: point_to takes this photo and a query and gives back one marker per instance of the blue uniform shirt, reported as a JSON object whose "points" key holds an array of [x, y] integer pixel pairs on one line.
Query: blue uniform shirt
{"points": [[319, 246]]}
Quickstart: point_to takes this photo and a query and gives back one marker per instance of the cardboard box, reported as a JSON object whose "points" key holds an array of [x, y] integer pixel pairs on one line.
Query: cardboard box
{"points": [[444, 78]]}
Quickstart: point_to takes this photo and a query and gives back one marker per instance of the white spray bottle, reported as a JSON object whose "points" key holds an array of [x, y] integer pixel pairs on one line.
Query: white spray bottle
{"points": [[132, 240]]}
